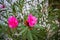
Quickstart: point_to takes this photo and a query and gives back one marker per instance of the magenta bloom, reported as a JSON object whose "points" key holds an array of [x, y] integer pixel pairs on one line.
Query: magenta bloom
{"points": [[2, 6], [32, 20], [12, 22]]}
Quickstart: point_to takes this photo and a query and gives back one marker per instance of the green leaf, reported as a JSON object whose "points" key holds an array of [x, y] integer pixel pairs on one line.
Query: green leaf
{"points": [[29, 35], [35, 37], [38, 26], [54, 26], [23, 31]]}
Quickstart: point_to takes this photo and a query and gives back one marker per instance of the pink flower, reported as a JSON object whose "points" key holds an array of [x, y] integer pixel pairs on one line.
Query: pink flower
{"points": [[2, 6], [32, 20], [12, 22]]}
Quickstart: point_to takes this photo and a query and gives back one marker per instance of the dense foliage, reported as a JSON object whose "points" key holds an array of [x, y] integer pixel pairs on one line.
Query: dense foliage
{"points": [[38, 22]]}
